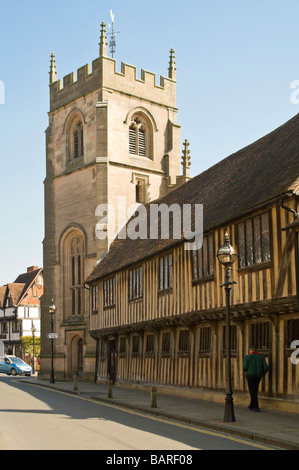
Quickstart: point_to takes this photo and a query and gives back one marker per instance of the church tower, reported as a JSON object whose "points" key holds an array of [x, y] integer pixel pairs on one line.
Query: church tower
{"points": [[113, 139]]}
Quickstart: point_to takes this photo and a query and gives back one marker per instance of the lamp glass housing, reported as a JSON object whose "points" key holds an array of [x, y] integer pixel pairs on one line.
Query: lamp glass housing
{"points": [[52, 308], [227, 254]]}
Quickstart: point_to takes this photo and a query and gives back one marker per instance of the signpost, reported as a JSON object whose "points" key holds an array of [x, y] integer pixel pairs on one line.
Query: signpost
{"points": [[52, 335]]}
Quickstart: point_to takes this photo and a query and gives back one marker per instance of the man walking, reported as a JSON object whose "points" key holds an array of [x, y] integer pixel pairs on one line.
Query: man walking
{"points": [[255, 368]]}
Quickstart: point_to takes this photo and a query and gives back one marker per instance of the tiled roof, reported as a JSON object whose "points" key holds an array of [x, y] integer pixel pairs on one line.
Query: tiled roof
{"points": [[18, 288], [15, 290], [2, 294], [27, 279], [239, 184]]}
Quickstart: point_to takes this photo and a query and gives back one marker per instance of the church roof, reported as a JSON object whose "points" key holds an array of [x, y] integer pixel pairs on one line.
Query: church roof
{"points": [[241, 183]]}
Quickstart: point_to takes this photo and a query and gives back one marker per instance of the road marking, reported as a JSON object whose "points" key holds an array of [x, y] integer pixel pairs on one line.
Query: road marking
{"points": [[162, 420]]}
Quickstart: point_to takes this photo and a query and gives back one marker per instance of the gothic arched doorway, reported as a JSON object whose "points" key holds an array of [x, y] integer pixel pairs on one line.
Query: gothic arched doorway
{"points": [[77, 356]]}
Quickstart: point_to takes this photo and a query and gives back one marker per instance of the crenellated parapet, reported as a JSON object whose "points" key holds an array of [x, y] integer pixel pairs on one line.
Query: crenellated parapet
{"points": [[104, 75]]}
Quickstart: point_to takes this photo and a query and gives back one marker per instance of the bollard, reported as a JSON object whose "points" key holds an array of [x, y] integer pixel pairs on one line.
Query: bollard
{"points": [[75, 382], [153, 397], [110, 387]]}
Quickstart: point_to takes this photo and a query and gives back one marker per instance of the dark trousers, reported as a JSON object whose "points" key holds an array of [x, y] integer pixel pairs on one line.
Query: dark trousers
{"points": [[253, 385]]}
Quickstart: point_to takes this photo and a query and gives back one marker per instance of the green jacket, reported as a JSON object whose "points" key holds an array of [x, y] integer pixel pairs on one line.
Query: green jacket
{"points": [[255, 365]]}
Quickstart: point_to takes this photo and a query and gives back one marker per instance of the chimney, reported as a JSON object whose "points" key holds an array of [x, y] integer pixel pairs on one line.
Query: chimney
{"points": [[32, 268]]}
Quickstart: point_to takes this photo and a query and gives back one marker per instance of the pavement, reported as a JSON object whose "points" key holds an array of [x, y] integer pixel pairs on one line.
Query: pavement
{"points": [[275, 428]]}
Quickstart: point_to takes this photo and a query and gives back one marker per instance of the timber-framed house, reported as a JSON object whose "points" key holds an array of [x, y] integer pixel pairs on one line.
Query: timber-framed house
{"points": [[158, 310]]}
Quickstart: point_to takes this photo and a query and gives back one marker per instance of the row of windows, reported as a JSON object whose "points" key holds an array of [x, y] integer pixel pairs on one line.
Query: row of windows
{"points": [[254, 249], [135, 282], [259, 335], [15, 327]]}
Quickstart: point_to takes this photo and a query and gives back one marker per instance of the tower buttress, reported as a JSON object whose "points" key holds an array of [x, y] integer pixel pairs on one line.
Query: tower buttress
{"points": [[52, 73], [172, 69], [103, 41], [186, 159]]}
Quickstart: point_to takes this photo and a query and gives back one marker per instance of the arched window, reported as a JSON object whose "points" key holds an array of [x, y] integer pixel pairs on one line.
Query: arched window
{"points": [[140, 191], [75, 136], [140, 136], [76, 265], [78, 140], [73, 257]]}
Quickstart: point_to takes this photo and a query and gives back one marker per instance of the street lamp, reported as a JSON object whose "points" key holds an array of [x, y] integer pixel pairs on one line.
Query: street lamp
{"points": [[33, 329], [227, 256], [52, 311]]}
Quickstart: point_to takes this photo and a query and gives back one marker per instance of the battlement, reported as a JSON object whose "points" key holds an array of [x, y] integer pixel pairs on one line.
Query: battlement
{"points": [[104, 75]]}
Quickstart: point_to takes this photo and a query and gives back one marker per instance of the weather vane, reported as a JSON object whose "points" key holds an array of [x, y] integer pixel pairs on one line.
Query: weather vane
{"points": [[112, 43]]}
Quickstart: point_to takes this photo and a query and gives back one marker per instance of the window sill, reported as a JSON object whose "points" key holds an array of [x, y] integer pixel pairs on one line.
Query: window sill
{"points": [[165, 291], [136, 299], [255, 267], [107, 307], [203, 280]]}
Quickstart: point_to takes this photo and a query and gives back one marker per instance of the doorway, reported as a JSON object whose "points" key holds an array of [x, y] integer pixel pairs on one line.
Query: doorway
{"points": [[76, 357], [112, 360]]}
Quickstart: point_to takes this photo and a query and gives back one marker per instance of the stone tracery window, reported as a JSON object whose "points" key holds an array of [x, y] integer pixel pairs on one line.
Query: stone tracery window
{"points": [[76, 264], [140, 136], [73, 260]]}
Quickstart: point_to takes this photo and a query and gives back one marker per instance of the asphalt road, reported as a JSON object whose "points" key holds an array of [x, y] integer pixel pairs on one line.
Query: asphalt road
{"points": [[34, 418]]}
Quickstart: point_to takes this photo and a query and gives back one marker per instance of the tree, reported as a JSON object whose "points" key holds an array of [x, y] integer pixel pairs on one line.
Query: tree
{"points": [[27, 343]]}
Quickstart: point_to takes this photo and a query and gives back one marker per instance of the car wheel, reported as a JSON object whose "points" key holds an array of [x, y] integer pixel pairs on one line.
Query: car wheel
{"points": [[13, 371]]}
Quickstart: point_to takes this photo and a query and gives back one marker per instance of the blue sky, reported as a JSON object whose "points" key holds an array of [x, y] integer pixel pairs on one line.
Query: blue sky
{"points": [[235, 60]]}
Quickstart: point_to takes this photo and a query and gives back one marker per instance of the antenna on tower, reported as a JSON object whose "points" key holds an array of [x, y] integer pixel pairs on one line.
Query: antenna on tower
{"points": [[112, 43]]}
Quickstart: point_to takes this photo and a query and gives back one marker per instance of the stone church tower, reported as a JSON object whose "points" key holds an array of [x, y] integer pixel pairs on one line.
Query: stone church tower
{"points": [[111, 137]]}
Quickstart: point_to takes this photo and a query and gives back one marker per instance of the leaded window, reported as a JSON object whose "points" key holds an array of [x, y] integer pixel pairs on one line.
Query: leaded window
{"points": [[136, 283], [165, 272], [203, 259], [254, 241], [109, 292], [94, 299]]}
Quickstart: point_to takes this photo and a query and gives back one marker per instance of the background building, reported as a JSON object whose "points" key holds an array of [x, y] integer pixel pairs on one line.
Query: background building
{"points": [[20, 310]]}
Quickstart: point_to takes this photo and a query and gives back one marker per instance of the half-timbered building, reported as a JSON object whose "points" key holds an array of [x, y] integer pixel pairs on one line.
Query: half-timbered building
{"points": [[158, 309]]}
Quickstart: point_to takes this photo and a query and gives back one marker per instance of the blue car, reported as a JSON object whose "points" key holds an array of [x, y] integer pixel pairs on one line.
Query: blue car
{"points": [[12, 365]]}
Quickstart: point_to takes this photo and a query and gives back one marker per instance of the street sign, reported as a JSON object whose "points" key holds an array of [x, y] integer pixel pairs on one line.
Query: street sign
{"points": [[52, 335]]}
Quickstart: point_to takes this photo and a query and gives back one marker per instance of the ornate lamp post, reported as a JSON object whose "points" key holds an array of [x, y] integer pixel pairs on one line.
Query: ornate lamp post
{"points": [[227, 256], [52, 311]]}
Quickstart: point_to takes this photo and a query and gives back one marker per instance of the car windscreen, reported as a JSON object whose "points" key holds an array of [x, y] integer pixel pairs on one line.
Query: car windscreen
{"points": [[16, 360]]}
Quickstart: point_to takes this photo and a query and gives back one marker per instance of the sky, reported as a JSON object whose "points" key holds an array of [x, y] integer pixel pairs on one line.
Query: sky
{"points": [[236, 61]]}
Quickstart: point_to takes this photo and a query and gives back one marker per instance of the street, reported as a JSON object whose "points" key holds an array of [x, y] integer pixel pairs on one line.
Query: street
{"points": [[35, 418]]}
